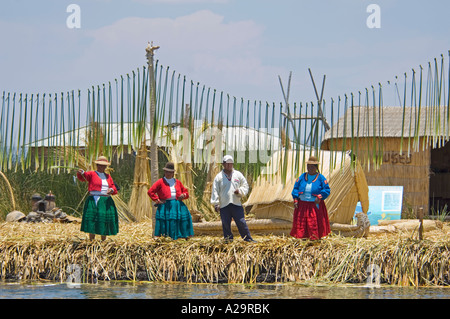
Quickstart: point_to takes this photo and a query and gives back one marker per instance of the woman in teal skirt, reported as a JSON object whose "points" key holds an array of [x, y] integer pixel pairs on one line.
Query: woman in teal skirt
{"points": [[99, 214], [173, 218]]}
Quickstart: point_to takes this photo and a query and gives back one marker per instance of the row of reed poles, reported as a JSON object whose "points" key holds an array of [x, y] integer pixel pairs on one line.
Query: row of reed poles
{"points": [[33, 125]]}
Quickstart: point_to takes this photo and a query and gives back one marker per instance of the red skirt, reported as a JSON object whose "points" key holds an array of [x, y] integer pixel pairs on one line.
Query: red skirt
{"points": [[309, 221]]}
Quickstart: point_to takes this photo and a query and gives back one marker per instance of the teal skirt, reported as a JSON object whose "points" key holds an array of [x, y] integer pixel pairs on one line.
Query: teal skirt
{"points": [[174, 220], [100, 218]]}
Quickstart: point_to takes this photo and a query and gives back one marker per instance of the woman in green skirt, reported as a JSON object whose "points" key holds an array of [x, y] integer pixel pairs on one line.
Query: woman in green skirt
{"points": [[99, 214], [173, 218]]}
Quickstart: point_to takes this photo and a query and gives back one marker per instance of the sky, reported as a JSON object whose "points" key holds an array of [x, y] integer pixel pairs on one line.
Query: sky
{"points": [[239, 47]]}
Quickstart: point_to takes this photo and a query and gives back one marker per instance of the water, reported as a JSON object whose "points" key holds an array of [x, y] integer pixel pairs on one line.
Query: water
{"points": [[180, 300], [149, 290]]}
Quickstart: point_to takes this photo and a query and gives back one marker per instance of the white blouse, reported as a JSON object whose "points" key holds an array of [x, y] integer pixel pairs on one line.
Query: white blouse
{"points": [[173, 192]]}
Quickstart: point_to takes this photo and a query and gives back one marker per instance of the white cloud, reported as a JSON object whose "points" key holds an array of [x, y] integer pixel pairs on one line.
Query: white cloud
{"points": [[202, 46], [199, 31]]}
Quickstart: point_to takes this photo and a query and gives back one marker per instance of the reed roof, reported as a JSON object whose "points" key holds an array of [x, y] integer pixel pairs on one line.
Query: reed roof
{"points": [[390, 121]]}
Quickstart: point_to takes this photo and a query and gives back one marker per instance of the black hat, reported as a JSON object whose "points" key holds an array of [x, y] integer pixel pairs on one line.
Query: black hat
{"points": [[50, 196], [170, 167], [36, 197]]}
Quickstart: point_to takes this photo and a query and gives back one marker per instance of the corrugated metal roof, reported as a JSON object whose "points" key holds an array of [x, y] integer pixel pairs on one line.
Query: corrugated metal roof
{"points": [[232, 138]]}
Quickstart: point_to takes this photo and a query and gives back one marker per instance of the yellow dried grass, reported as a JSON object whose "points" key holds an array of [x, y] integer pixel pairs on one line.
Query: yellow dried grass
{"points": [[37, 251]]}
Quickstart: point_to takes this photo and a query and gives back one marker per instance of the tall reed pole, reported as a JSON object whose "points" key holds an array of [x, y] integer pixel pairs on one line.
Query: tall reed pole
{"points": [[153, 147]]}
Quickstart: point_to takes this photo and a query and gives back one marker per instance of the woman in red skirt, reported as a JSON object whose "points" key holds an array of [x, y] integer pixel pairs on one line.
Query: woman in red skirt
{"points": [[310, 215]]}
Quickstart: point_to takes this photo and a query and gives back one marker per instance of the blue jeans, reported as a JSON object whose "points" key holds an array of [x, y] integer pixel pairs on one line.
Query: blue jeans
{"points": [[237, 213]]}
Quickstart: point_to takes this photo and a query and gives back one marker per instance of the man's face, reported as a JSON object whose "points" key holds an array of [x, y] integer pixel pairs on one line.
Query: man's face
{"points": [[228, 166]]}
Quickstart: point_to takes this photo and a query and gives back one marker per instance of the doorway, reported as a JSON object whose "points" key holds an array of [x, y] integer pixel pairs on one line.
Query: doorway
{"points": [[440, 181]]}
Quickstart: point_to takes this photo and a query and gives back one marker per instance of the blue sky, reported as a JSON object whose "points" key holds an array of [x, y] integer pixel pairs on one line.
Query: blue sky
{"points": [[236, 46]]}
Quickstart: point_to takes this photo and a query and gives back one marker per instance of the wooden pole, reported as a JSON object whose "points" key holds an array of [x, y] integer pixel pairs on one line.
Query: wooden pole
{"points": [[319, 100], [420, 213], [288, 112], [153, 146]]}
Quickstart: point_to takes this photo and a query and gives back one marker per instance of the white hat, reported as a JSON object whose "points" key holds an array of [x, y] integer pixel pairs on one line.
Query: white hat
{"points": [[227, 159]]}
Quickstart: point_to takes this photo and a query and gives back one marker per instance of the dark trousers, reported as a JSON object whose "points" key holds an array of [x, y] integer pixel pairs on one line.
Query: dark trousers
{"points": [[237, 213]]}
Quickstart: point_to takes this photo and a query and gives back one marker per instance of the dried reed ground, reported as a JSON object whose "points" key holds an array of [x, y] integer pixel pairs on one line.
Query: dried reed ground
{"points": [[45, 251]]}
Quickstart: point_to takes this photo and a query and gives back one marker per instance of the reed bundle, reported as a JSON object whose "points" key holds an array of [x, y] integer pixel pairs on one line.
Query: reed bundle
{"points": [[140, 204], [46, 251], [209, 212], [184, 173], [9, 190]]}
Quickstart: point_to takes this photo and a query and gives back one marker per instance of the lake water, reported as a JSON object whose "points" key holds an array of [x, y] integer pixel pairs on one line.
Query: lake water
{"points": [[151, 290], [181, 300]]}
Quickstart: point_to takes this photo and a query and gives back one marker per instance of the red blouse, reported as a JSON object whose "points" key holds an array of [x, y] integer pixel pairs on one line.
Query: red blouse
{"points": [[95, 182], [161, 190]]}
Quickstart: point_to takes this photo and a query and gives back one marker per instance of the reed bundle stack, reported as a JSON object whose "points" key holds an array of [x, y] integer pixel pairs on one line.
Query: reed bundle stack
{"points": [[140, 204], [47, 251]]}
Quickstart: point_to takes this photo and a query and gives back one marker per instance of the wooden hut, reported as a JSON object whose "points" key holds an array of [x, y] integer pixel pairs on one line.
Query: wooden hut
{"points": [[270, 198], [398, 147]]}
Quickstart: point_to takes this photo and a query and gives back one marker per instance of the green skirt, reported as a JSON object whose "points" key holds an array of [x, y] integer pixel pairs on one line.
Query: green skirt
{"points": [[100, 218], [173, 219]]}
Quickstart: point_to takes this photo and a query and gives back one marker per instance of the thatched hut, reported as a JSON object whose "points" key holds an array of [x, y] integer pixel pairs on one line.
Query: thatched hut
{"points": [[398, 147], [271, 198]]}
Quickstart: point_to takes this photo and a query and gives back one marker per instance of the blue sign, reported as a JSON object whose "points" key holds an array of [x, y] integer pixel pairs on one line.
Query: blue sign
{"points": [[385, 203]]}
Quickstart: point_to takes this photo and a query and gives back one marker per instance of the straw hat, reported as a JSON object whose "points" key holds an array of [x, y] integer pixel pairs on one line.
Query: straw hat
{"points": [[102, 160], [227, 159], [313, 160], [170, 167]]}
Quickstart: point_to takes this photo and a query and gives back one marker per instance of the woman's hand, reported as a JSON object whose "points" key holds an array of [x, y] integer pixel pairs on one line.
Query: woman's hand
{"points": [[181, 197], [295, 204], [317, 200]]}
